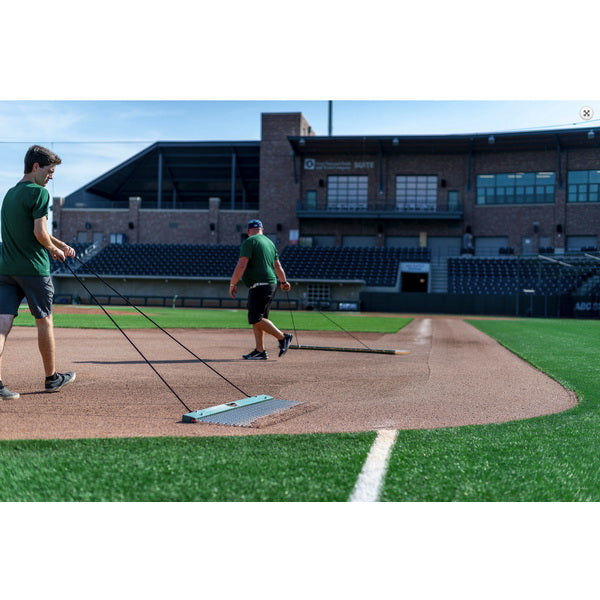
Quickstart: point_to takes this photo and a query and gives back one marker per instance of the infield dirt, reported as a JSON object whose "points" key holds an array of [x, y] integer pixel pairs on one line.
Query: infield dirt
{"points": [[454, 375]]}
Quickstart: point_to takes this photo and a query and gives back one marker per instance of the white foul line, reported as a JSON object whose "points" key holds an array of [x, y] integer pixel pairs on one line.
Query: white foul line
{"points": [[424, 331], [369, 482]]}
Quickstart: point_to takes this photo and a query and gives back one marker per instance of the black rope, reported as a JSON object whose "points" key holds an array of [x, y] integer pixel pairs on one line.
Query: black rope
{"points": [[149, 319], [129, 340], [336, 324], [292, 315]]}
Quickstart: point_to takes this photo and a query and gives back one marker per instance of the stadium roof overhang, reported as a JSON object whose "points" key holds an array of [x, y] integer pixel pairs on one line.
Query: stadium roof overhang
{"points": [[188, 171], [446, 144]]}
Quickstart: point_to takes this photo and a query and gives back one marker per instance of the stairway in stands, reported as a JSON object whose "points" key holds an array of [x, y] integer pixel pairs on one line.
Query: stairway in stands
{"points": [[439, 274]]}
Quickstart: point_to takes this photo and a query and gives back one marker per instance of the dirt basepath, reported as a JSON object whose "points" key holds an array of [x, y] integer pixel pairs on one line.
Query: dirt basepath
{"points": [[454, 375]]}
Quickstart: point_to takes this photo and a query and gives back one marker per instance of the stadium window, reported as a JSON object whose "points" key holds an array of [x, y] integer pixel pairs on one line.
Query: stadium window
{"points": [[347, 192], [117, 238], [583, 186], [516, 188], [416, 192]]}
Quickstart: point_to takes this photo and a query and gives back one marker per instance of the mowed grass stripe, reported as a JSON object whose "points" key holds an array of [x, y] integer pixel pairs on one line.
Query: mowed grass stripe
{"points": [[550, 458], [270, 468]]}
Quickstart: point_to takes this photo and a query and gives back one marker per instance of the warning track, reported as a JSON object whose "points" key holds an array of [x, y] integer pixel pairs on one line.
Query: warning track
{"points": [[454, 375]]}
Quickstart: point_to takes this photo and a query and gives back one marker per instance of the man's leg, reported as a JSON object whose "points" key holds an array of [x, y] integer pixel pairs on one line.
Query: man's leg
{"points": [[259, 337], [54, 381], [266, 326], [6, 322], [45, 328]]}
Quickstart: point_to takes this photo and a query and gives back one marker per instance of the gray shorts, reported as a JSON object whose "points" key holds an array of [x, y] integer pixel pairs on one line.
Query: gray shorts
{"points": [[38, 290]]}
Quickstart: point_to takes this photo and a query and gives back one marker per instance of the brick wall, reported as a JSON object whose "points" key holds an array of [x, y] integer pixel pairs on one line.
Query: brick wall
{"points": [[152, 226], [279, 188], [284, 181]]}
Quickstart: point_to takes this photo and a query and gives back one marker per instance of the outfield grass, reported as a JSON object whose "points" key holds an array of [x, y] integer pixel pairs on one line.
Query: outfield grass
{"points": [[551, 458], [172, 318]]}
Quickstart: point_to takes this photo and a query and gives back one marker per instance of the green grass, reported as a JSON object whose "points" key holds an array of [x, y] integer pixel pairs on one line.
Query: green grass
{"points": [[172, 318], [281, 468], [551, 458]]}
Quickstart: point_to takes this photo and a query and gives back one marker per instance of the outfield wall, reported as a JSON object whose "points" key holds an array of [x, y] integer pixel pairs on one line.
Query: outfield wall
{"points": [[521, 305], [189, 291], [194, 292]]}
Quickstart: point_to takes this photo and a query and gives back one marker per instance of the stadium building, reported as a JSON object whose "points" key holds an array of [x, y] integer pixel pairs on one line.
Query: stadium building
{"points": [[502, 223]]}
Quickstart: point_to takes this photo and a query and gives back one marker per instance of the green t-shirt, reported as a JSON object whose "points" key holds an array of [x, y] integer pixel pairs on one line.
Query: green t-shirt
{"points": [[262, 254], [22, 254]]}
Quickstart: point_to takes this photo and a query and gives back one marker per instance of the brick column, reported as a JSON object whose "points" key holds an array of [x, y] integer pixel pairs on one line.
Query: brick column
{"points": [[133, 224], [56, 218], [214, 208]]}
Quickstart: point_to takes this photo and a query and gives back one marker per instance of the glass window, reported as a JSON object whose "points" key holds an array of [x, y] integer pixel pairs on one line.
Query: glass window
{"points": [[347, 192], [416, 192], [486, 181], [526, 178], [506, 180], [578, 177], [515, 188], [545, 178], [583, 186]]}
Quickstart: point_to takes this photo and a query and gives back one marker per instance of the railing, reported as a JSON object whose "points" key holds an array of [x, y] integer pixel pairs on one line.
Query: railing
{"points": [[377, 208]]}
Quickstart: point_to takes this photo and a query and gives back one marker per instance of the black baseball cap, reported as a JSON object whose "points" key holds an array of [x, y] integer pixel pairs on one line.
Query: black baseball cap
{"points": [[255, 224]]}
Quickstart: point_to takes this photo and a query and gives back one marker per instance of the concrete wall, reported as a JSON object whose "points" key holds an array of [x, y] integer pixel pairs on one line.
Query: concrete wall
{"points": [[67, 285]]}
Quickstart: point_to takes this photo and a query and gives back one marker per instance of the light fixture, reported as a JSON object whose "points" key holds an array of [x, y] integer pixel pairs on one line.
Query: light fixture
{"points": [[395, 141], [491, 139], [591, 134], [301, 141]]}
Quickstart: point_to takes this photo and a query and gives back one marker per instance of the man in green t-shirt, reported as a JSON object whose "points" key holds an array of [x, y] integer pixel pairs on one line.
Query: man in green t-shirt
{"points": [[24, 261], [259, 268]]}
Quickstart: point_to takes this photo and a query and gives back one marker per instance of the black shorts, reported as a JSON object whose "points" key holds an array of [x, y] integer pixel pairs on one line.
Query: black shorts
{"points": [[38, 290], [259, 302]]}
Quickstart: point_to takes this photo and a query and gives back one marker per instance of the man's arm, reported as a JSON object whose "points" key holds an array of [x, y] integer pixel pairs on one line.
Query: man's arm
{"points": [[242, 263], [68, 251], [285, 284], [45, 239], [58, 250]]}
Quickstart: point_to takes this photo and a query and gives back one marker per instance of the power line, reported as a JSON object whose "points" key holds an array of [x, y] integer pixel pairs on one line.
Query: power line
{"points": [[82, 142]]}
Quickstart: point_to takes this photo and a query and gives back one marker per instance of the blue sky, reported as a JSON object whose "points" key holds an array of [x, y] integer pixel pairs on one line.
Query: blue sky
{"points": [[94, 136]]}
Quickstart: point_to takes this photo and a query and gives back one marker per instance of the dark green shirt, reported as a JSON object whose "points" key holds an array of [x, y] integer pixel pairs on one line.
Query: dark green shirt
{"points": [[22, 254], [262, 254]]}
